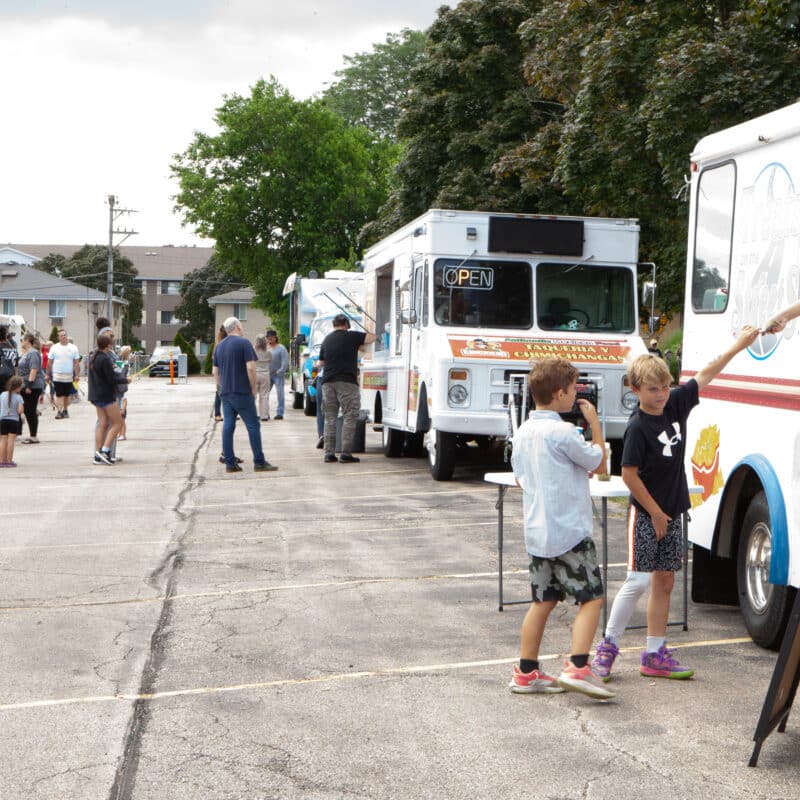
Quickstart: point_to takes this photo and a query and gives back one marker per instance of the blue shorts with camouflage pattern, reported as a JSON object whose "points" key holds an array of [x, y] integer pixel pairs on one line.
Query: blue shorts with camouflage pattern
{"points": [[574, 573]]}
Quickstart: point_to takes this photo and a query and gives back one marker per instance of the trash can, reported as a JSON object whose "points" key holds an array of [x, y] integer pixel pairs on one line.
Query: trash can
{"points": [[359, 437], [183, 367]]}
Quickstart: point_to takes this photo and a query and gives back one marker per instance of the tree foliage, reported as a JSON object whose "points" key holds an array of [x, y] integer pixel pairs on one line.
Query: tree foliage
{"points": [[369, 91], [196, 287], [285, 186], [88, 266], [192, 362]]}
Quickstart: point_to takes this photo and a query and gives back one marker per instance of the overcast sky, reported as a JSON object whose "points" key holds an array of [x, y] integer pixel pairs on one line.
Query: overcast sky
{"points": [[97, 95]]}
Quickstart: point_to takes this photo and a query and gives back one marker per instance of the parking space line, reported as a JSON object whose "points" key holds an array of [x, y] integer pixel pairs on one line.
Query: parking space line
{"points": [[334, 678]]}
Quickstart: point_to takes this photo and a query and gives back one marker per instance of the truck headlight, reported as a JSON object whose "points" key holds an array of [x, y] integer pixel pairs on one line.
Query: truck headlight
{"points": [[457, 395], [629, 400]]}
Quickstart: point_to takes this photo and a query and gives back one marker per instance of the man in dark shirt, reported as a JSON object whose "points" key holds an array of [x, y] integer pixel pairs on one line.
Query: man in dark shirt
{"points": [[235, 372], [339, 357]]}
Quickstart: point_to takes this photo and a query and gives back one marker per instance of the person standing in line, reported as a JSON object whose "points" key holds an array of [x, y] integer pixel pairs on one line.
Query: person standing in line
{"points": [[338, 358], [551, 461], [235, 373], [653, 469], [277, 371], [63, 364], [263, 379], [104, 379], [221, 334], [30, 370], [8, 357], [11, 410], [122, 391], [103, 326]]}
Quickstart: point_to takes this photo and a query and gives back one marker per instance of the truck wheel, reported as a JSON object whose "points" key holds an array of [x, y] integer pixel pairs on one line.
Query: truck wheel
{"points": [[392, 442], [309, 403], [441, 454], [765, 606], [415, 445], [297, 401]]}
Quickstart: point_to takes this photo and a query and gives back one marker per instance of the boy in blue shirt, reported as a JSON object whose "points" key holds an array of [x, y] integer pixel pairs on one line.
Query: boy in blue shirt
{"points": [[652, 468], [551, 462]]}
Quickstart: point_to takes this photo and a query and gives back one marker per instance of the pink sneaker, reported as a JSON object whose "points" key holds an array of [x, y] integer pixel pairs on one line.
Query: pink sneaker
{"points": [[535, 682], [583, 680]]}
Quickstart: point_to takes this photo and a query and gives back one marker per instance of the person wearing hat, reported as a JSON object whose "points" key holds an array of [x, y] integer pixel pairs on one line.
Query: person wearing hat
{"points": [[277, 371], [654, 349], [339, 357]]}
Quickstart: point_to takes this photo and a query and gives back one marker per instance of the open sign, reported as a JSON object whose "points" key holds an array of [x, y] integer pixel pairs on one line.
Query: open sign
{"points": [[468, 277]]}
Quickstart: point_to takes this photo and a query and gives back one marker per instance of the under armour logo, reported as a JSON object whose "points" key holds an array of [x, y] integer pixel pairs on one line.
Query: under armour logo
{"points": [[670, 442]]}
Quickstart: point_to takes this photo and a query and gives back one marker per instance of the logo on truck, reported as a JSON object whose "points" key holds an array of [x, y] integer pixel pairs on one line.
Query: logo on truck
{"points": [[705, 465], [578, 351]]}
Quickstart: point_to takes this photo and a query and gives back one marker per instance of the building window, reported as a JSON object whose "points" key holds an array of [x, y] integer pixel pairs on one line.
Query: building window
{"points": [[57, 309], [9, 306], [170, 287], [169, 318], [240, 311]]}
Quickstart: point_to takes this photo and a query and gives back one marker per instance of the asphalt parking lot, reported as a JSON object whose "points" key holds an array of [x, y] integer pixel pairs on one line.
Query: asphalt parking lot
{"points": [[327, 631]]}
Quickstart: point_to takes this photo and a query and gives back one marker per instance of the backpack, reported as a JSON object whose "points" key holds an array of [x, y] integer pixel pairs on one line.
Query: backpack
{"points": [[7, 366]]}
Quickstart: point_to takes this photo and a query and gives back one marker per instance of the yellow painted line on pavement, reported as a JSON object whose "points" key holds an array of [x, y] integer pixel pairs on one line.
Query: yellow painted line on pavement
{"points": [[417, 526], [335, 678], [256, 590]]}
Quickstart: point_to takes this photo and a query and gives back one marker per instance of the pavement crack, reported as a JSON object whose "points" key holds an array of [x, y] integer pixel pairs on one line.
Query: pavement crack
{"points": [[167, 570]]}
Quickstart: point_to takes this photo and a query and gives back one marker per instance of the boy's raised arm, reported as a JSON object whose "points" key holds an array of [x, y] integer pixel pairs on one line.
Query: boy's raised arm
{"points": [[710, 371]]}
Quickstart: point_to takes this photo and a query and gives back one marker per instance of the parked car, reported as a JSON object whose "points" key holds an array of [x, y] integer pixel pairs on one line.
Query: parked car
{"points": [[159, 361]]}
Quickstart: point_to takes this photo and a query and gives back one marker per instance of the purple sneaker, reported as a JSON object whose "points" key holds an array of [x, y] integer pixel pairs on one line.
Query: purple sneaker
{"points": [[663, 665], [604, 658]]}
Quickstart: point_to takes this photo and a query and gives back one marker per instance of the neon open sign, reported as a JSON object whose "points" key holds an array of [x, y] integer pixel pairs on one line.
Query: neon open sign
{"points": [[468, 277]]}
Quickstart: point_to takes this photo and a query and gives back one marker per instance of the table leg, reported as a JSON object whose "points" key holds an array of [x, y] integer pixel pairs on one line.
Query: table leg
{"points": [[604, 528], [501, 490]]}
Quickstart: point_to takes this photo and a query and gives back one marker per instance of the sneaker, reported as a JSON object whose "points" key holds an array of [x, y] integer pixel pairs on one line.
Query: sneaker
{"points": [[534, 682], [346, 458], [10, 464], [663, 665], [330, 458], [279, 416], [234, 468], [235, 458], [104, 457], [583, 680], [604, 659], [265, 467], [265, 419], [65, 414], [320, 443], [97, 460], [59, 415]]}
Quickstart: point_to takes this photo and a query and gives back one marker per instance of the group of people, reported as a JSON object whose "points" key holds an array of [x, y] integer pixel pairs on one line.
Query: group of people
{"points": [[24, 376], [243, 372], [552, 462]]}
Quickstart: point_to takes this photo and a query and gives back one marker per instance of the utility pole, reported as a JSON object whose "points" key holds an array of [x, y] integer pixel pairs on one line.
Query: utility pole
{"points": [[113, 215]]}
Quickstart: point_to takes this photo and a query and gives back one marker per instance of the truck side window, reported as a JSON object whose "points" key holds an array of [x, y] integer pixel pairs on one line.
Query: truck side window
{"points": [[713, 238]]}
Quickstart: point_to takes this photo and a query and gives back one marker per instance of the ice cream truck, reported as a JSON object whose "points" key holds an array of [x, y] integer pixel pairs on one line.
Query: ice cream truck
{"points": [[743, 447], [462, 302]]}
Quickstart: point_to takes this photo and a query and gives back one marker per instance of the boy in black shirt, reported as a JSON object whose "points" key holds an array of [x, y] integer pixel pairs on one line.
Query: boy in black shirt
{"points": [[652, 469]]}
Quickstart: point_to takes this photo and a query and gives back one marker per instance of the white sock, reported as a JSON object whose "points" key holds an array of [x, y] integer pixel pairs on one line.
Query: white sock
{"points": [[655, 643]]}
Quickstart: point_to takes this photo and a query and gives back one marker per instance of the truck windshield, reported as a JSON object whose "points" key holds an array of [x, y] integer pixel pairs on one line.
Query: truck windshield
{"points": [[482, 294], [585, 298]]}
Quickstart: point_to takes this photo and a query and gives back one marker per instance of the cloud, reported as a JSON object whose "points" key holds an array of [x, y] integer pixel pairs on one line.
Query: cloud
{"points": [[99, 96]]}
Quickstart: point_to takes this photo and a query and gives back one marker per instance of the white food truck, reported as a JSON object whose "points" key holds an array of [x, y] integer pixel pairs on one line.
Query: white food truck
{"points": [[463, 300], [743, 442]]}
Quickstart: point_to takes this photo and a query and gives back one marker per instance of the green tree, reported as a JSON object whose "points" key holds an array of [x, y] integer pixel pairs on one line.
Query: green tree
{"points": [[197, 286], [192, 362], [468, 105], [284, 184], [88, 266], [371, 88]]}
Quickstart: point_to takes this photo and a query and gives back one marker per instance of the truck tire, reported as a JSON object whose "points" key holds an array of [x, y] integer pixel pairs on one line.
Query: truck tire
{"points": [[392, 442], [765, 606], [441, 454], [309, 402]]}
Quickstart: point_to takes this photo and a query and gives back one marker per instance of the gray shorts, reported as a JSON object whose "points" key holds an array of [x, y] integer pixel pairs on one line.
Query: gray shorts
{"points": [[648, 554], [574, 573]]}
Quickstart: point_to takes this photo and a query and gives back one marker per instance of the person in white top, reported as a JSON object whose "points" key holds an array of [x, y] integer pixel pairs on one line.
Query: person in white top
{"points": [[63, 364], [551, 462]]}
